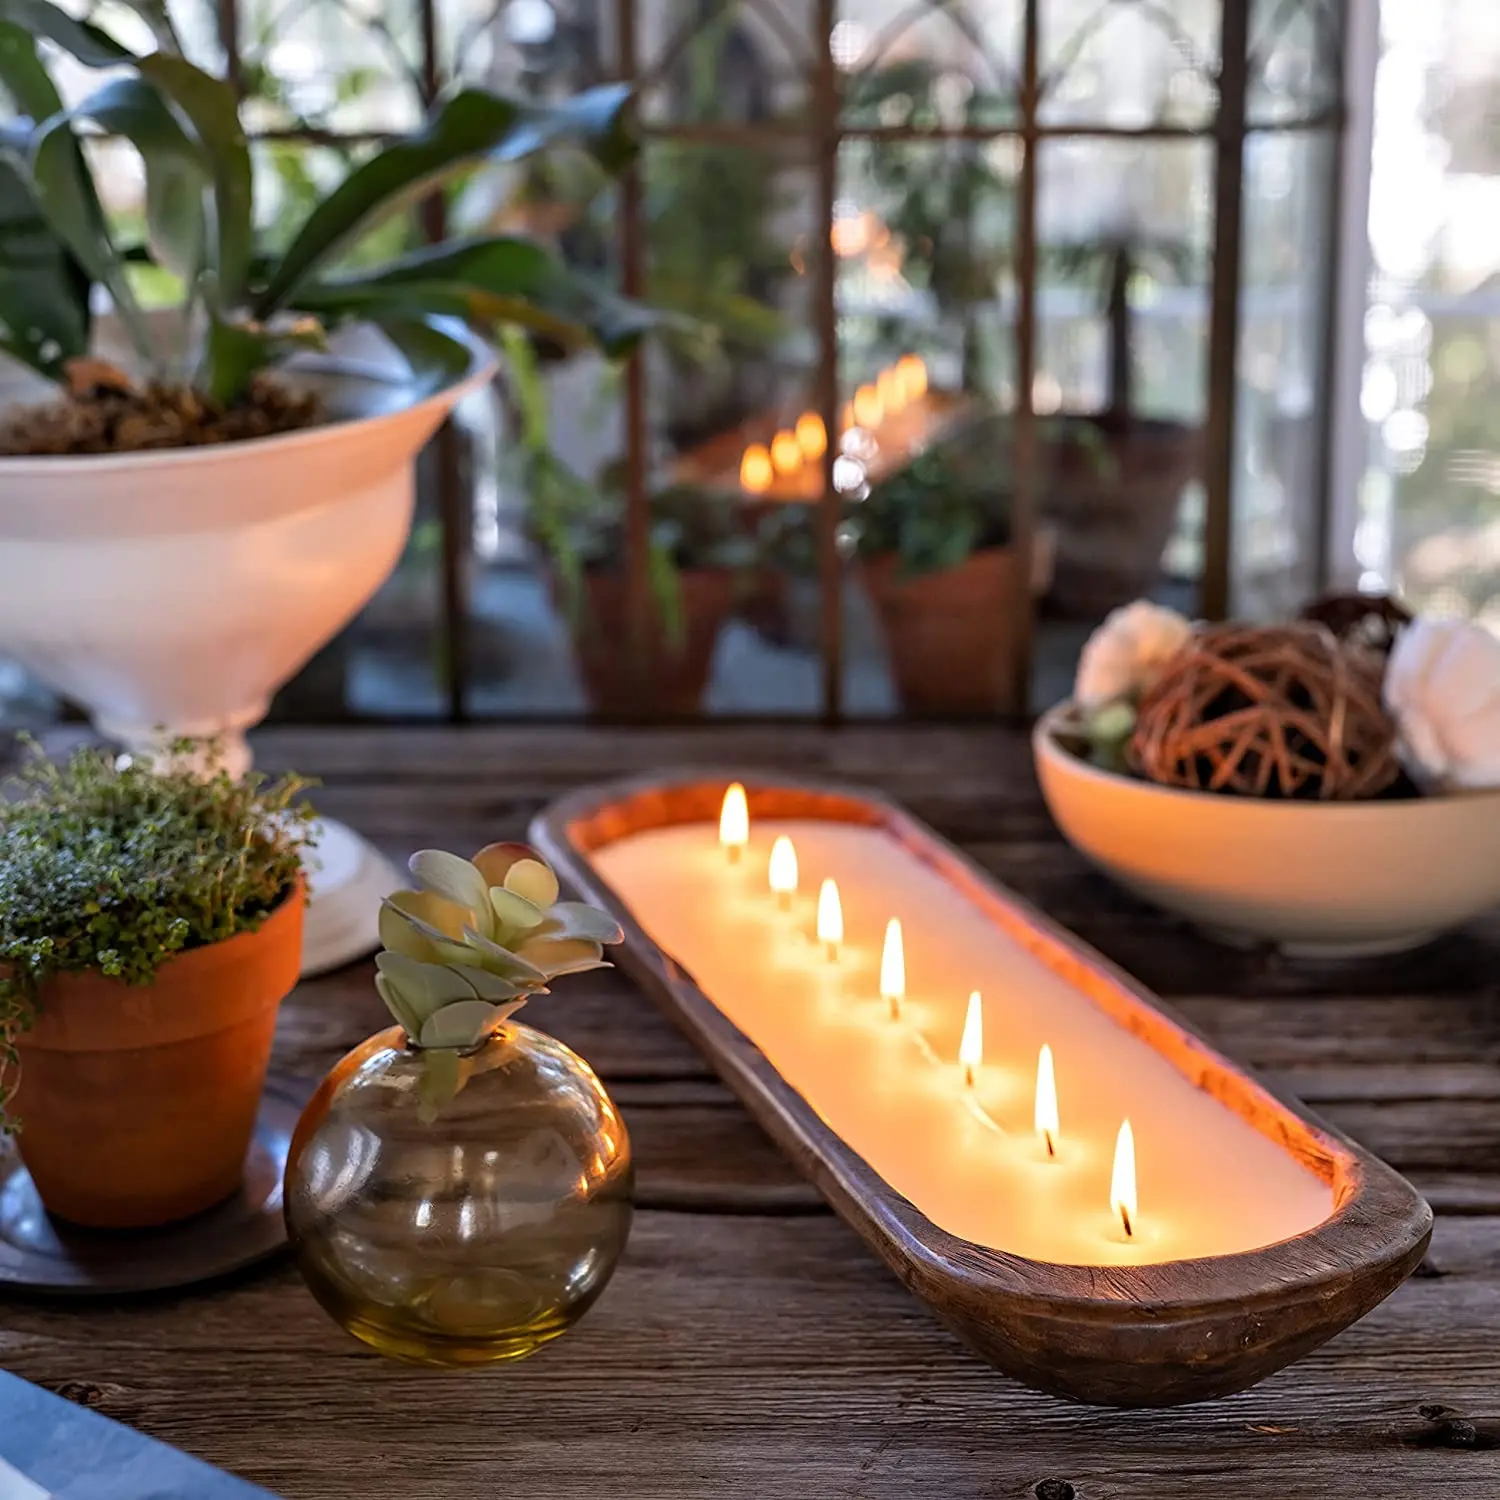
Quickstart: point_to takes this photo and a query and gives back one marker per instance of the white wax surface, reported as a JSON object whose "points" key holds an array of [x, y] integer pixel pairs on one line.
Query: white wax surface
{"points": [[1210, 1184]]}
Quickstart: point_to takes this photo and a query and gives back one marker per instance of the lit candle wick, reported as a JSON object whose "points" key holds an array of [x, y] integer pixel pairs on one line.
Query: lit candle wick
{"points": [[830, 920], [893, 969], [1122, 1179], [1045, 1116], [734, 823], [783, 871], [971, 1045]]}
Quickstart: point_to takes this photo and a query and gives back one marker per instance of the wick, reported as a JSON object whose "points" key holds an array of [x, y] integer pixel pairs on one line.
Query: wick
{"points": [[969, 1075], [1125, 1217], [784, 900], [734, 853], [833, 953], [895, 1007], [1052, 1151]]}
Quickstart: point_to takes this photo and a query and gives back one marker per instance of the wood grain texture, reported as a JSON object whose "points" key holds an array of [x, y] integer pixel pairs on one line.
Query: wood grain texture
{"points": [[1150, 1335], [754, 1352]]}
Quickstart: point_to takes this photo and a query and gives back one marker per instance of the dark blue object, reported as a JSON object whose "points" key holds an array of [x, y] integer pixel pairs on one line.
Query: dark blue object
{"points": [[76, 1454]]}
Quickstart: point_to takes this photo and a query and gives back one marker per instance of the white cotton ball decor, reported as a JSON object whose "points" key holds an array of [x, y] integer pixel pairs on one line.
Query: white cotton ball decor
{"points": [[1442, 687], [1126, 654]]}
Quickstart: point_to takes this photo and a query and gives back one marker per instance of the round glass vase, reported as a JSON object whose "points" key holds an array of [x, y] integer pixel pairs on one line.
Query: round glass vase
{"points": [[457, 1208]]}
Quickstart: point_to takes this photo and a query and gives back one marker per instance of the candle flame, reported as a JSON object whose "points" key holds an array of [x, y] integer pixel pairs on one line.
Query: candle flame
{"points": [[913, 372], [846, 417], [971, 1045], [868, 409], [891, 388], [1046, 1101], [756, 470], [812, 436], [786, 453], [734, 822], [893, 968], [1122, 1179], [783, 873], [830, 918]]}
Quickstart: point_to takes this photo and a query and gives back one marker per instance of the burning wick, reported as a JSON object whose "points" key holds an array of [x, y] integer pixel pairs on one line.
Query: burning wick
{"points": [[830, 920], [1122, 1179], [734, 823], [893, 969], [971, 1045], [783, 871], [1046, 1101]]}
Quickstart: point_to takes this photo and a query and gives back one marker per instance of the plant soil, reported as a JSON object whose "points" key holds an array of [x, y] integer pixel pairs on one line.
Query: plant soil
{"points": [[109, 418]]}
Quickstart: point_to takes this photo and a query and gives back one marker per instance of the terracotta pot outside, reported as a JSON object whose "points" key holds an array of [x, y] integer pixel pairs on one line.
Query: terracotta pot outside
{"points": [[1114, 511], [137, 1103], [677, 670], [950, 633]]}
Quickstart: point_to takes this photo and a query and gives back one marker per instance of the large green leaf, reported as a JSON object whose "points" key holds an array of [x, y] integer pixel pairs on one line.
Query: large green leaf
{"points": [[211, 108], [177, 172], [207, 104], [234, 351], [435, 358], [44, 293], [470, 126], [65, 191], [499, 280]]}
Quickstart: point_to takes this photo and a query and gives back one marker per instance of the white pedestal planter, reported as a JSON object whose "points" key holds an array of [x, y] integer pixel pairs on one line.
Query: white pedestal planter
{"points": [[171, 593]]}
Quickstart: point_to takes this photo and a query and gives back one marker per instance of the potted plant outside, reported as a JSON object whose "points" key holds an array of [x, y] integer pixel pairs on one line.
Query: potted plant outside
{"points": [[1112, 481], [177, 538], [150, 925], [699, 550], [934, 543]]}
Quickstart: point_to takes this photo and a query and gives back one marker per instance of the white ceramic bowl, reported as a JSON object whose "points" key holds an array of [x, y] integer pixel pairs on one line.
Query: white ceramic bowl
{"points": [[1326, 879]]}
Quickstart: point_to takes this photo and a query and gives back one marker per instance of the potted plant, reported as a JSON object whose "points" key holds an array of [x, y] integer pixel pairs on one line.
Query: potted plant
{"points": [[178, 537], [700, 546], [934, 542], [150, 925], [1112, 481]]}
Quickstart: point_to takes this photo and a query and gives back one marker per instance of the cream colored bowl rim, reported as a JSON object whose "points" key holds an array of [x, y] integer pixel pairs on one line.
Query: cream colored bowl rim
{"points": [[1046, 746]]}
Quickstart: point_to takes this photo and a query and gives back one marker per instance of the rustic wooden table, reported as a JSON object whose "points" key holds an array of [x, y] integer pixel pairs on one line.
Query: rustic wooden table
{"points": [[750, 1345]]}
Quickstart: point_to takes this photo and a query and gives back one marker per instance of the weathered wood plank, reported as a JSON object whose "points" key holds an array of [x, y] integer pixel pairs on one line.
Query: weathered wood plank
{"points": [[768, 1358]]}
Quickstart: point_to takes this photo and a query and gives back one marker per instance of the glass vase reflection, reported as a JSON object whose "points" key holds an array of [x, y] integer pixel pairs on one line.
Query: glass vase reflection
{"points": [[457, 1208]]}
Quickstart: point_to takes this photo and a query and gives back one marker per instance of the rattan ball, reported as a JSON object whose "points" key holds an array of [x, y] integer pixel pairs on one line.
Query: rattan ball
{"points": [[1268, 711], [1373, 620]]}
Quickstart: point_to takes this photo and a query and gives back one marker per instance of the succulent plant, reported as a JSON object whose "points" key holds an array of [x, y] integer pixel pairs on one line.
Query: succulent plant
{"points": [[476, 939]]}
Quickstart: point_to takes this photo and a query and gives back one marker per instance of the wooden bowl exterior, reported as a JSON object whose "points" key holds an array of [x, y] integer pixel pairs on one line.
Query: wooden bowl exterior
{"points": [[1153, 1335]]}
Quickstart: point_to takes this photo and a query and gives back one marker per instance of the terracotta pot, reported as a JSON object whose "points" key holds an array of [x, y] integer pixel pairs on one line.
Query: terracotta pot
{"points": [[137, 1103], [1114, 508], [950, 633], [676, 674]]}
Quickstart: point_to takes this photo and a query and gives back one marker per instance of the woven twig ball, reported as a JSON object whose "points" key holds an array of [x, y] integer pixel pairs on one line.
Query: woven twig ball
{"points": [[1373, 620], [1273, 711]]}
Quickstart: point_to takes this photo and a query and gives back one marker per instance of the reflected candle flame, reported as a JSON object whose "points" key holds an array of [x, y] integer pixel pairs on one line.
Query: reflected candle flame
{"points": [[1122, 1179], [912, 371], [786, 453], [868, 409], [971, 1045], [891, 388], [812, 436], [893, 969], [756, 471], [1045, 1116], [783, 872], [734, 823], [830, 919]]}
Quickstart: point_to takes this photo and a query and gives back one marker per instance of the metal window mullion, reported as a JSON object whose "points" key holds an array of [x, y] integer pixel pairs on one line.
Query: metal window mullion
{"points": [[830, 566], [1023, 505], [1224, 310]]}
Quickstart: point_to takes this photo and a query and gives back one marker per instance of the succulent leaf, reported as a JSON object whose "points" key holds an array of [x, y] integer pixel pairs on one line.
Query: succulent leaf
{"points": [[495, 861], [513, 913], [396, 1004], [493, 987], [561, 955], [458, 1025], [577, 919], [534, 881], [423, 989], [453, 878], [495, 959], [423, 926]]}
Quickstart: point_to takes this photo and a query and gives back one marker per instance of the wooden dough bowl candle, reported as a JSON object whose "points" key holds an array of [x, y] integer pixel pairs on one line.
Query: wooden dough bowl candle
{"points": [[1167, 1229]]}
